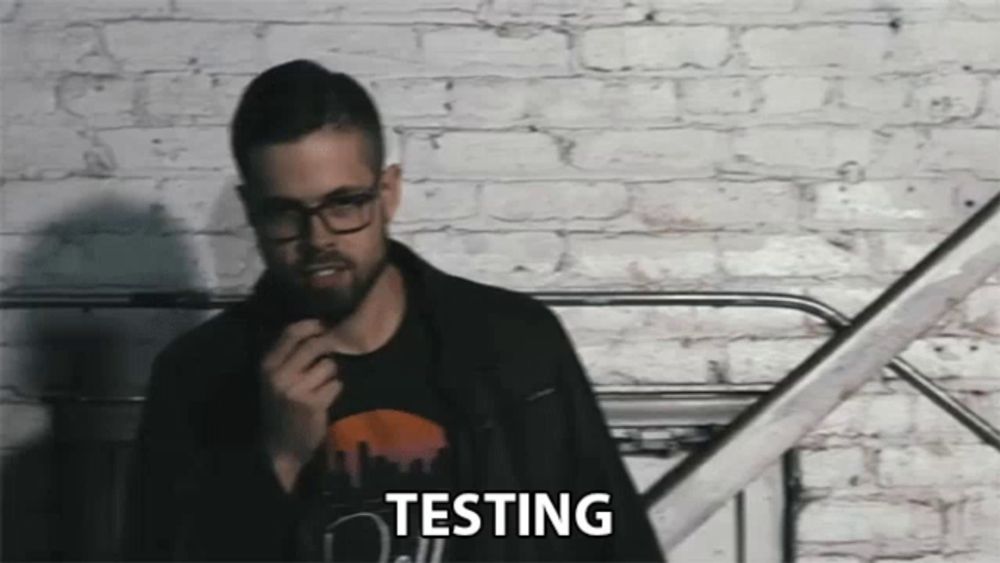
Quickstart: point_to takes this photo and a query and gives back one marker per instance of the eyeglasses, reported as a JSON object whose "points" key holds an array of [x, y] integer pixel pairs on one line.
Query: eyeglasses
{"points": [[283, 220]]}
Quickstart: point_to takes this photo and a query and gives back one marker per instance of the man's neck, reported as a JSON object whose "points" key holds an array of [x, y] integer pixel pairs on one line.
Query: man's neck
{"points": [[377, 317]]}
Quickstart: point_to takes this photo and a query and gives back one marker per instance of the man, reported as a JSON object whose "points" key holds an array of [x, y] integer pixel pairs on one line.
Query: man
{"points": [[274, 430]]}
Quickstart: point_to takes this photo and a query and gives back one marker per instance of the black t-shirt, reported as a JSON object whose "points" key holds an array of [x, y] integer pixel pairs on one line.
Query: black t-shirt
{"points": [[386, 433]]}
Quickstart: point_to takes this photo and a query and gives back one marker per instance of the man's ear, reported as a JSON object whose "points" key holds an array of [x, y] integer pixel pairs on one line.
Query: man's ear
{"points": [[391, 185]]}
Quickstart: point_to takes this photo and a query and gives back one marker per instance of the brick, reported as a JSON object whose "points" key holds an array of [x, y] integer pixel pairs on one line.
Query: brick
{"points": [[971, 524], [716, 95], [836, 6], [480, 51], [581, 102], [897, 152], [654, 48], [794, 255], [845, 46], [828, 559], [640, 260], [491, 100], [99, 100], [437, 201], [481, 154], [973, 194], [176, 96], [101, 260], [411, 98], [360, 50], [882, 416], [590, 11], [35, 327], [806, 148], [974, 150], [938, 465], [54, 47], [519, 260], [151, 150], [840, 468], [200, 204], [792, 94], [841, 520], [599, 325], [982, 310], [41, 150], [627, 362], [884, 204], [901, 251], [991, 106], [934, 44], [955, 357], [876, 95], [722, 6], [758, 361], [78, 205], [145, 46], [236, 264], [716, 205], [557, 200], [71, 10], [942, 98], [689, 152], [29, 100], [313, 11], [566, 102], [118, 369], [594, 326]]}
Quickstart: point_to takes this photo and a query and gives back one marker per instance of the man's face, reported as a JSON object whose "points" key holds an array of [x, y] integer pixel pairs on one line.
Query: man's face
{"points": [[325, 273]]}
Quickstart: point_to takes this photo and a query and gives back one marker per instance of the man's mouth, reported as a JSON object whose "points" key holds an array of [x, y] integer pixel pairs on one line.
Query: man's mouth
{"points": [[323, 274]]}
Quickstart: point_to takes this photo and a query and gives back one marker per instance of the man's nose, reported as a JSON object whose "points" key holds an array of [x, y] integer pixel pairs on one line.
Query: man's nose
{"points": [[318, 233]]}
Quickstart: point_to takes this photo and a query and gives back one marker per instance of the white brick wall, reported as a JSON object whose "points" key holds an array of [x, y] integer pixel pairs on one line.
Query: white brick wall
{"points": [[812, 146]]}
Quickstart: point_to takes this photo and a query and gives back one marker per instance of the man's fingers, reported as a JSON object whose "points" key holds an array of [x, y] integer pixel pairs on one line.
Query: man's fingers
{"points": [[291, 337], [306, 354], [325, 394], [321, 373]]}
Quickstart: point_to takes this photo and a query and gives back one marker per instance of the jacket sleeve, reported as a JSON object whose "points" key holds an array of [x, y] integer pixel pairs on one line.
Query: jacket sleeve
{"points": [[601, 469], [189, 500]]}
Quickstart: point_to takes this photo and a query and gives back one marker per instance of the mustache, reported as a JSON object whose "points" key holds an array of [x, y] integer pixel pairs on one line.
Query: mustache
{"points": [[325, 260]]}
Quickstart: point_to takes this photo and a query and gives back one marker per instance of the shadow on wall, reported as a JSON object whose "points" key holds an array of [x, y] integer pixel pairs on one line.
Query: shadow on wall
{"points": [[63, 460]]}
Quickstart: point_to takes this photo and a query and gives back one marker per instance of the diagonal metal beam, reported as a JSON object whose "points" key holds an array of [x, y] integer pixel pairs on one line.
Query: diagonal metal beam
{"points": [[689, 494]]}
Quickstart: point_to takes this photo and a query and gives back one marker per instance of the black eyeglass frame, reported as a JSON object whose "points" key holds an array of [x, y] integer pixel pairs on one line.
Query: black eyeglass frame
{"points": [[305, 213]]}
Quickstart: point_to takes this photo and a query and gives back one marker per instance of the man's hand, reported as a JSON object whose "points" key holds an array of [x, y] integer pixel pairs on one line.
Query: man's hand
{"points": [[298, 384]]}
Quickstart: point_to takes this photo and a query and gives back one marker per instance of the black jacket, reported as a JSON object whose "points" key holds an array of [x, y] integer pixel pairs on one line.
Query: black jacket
{"points": [[203, 489]]}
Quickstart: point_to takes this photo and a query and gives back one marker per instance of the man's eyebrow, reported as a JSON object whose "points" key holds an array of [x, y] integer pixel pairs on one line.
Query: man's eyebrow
{"points": [[335, 193]]}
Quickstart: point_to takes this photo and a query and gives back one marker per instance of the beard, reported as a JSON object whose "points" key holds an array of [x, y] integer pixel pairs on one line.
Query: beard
{"points": [[331, 305]]}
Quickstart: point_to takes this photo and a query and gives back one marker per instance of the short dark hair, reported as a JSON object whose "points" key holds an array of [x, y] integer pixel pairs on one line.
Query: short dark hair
{"points": [[293, 99]]}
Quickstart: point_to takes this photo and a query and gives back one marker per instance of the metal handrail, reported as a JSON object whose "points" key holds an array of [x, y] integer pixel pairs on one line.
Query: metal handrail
{"points": [[199, 300]]}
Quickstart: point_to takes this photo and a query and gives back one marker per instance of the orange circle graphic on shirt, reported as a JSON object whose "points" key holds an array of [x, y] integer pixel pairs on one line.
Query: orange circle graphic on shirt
{"points": [[397, 436]]}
